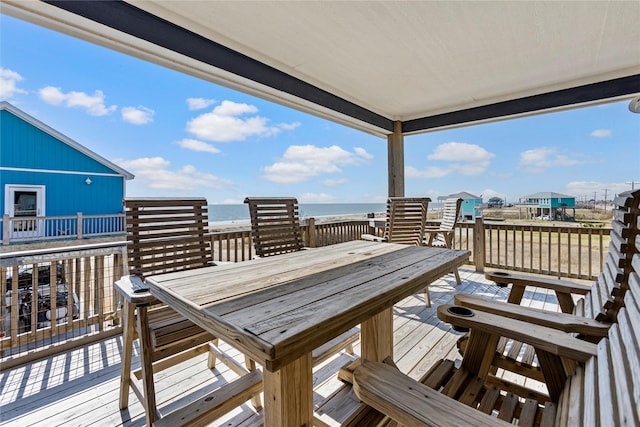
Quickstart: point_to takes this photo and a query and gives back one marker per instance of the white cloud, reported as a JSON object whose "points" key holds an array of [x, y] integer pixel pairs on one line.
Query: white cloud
{"points": [[195, 145], [199, 103], [589, 188], [93, 104], [316, 198], [601, 133], [9, 80], [154, 173], [238, 201], [137, 115], [301, 162], [224, 124], [334, 182], [427, 173], [363, 153], [460, 157], [539, 159], [460, 152]]}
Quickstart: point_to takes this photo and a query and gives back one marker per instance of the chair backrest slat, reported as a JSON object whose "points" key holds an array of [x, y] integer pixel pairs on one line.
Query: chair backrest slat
{"points": [[275, 225], [406, 219], [166, 234], [450, 215], [612, 381], [609, 289]]}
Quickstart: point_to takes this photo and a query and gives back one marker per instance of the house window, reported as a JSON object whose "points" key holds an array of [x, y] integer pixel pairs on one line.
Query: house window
{"points": [[25, 203]]}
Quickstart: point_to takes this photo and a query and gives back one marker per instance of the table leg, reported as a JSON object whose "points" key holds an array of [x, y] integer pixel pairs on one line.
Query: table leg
{"points": [[376, 335], [288, 395], [128, 332]]}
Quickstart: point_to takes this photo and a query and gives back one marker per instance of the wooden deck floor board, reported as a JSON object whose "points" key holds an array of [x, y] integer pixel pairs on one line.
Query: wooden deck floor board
{"points": [[80, 387]]}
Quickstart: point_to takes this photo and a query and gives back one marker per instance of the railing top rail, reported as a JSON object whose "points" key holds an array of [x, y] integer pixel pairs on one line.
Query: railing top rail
{"points": [[9, 259]]}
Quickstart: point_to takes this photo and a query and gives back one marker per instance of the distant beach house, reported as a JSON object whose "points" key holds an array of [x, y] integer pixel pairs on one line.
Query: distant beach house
{"points": [[471, 205], [45, 173], [549, 205]]}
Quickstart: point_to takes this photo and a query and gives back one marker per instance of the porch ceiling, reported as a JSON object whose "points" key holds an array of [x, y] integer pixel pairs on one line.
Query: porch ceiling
{"points": [[366, 64]]}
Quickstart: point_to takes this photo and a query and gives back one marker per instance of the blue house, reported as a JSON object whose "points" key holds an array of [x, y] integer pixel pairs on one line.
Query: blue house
{"points": [[44, 173], [470, 207], [549, 205]]}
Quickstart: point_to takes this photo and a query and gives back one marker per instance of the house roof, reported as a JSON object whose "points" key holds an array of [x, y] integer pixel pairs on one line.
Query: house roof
{"points": [[4, 105], [548, 195], [428, 65], [462, 195]]}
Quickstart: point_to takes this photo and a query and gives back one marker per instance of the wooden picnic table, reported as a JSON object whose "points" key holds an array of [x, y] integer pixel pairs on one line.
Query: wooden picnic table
{"points": [[277, 310]]}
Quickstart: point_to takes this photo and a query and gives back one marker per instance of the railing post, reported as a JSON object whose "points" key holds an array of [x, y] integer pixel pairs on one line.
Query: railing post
{"points": [[372, 227], [311, 230], [79, 225], [478, 244], [5, 229]]}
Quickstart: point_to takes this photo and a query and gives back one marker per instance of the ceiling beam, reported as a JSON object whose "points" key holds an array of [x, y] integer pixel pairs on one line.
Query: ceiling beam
{"points": [[589, 93], [138, 23], [135, 22]]}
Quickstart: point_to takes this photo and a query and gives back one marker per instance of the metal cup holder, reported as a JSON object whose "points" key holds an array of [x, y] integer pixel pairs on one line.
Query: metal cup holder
{"points": [[456, 310], [501, 274]]}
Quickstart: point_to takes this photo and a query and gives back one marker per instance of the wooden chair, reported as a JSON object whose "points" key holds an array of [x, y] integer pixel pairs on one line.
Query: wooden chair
{"points": [[443, 234], [275, 225], [275, 230], [589, 318], [167, 235], [602, 390], [406, 221]]}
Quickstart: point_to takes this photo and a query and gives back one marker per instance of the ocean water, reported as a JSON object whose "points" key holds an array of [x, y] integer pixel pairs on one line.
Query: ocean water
{"points": [[237, 213]]}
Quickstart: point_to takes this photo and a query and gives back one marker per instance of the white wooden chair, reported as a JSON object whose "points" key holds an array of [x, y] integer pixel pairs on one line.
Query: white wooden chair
{"points": [[443, 234]]}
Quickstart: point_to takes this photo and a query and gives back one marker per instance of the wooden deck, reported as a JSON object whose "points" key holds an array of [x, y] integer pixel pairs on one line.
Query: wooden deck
{"points": [[80, 387]]}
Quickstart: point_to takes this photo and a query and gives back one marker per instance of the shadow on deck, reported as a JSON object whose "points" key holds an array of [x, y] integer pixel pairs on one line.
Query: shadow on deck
{"points": [[81, 387]]}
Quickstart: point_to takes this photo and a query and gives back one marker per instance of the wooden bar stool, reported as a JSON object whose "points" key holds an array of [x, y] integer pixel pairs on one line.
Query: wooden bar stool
{"points": [[167, 235]]}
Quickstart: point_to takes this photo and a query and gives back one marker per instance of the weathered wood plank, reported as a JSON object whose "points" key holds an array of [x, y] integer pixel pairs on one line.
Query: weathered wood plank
{"points": [[49, 388]]}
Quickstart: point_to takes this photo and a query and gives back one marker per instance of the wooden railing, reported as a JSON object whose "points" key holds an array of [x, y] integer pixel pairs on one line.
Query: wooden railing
{"points": [[46, 228], [561, 251], [236, 245], [87, 307], [74, 302]]}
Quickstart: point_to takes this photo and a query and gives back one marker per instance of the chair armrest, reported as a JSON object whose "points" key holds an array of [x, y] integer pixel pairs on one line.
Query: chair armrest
{"points": [[411, 403], [563, 286], [565, 322], [372, 238], [129, 288], [550, 340], [433, 229]]}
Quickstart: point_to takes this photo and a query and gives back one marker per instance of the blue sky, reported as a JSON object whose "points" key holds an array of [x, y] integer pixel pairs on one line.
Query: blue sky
{"points": [[183, 136]]}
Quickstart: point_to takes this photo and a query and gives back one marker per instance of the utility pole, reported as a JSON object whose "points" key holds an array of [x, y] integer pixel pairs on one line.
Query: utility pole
{"points": [[605, 198], [633, 185], [595, 201]]}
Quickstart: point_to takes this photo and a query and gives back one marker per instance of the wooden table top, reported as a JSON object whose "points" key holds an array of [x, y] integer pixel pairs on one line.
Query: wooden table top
{"points": [[276, 309]]}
